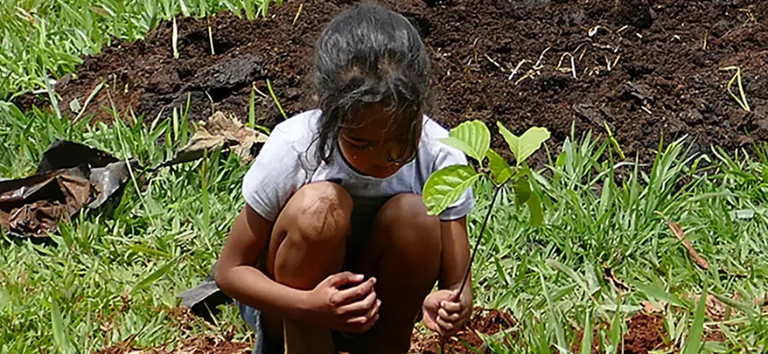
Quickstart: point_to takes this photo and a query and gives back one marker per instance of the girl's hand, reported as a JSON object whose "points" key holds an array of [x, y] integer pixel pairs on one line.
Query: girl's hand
{"points": [[444, 314], [351, 310]]}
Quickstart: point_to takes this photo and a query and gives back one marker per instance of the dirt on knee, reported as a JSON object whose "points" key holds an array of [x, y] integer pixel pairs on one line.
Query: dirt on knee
{"points": [[321, 211]]}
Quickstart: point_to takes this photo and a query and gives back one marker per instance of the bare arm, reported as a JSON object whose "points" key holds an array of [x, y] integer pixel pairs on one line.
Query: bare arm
{"points": [[237, 276], [455, 256]]}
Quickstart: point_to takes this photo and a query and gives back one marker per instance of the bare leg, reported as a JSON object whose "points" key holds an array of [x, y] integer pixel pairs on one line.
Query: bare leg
{"points": [[404, 256], [307, 245]]}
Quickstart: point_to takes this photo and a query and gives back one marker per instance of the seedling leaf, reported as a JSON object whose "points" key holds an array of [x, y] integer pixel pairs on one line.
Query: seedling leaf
{"points": [[499, 167], [445, 186], [471, 137], [524, 146], [537, 212], [522, 191]]}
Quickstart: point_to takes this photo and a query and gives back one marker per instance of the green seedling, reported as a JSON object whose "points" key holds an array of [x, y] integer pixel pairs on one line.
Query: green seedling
{"points": [[473, 138]]}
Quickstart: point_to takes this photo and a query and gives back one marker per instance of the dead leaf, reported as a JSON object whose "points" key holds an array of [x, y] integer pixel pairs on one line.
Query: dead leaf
{"points": [[716, 310], [220, 132], [678, 231], [610, 275], [653, 306]]}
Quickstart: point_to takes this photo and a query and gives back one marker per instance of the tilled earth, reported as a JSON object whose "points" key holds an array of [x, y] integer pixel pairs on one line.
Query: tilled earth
{"points": [[641, 68]]}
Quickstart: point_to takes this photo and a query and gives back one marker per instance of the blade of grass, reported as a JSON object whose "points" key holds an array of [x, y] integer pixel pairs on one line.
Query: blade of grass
{"points": [[274, 98], [57, 323], [586, 339], [693, 343], [154, 276]]}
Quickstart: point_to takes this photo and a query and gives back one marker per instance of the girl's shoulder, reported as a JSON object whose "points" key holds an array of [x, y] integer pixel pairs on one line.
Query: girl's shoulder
{"points": [[299, 129], [432, 133]]}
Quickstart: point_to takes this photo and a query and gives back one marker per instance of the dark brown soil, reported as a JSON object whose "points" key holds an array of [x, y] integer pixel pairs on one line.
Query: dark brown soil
{"points": [[665, 59]]}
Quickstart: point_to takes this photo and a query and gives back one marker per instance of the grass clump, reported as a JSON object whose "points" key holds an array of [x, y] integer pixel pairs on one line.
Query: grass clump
{"points": [[114, 272]]}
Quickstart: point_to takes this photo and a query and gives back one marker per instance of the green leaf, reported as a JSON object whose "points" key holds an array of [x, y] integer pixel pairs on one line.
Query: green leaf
{"points": [[471, 137], [522, 191], [445, 186], [693, 343], [537, 212], [499, 167], [524, 146], [155, 275]]}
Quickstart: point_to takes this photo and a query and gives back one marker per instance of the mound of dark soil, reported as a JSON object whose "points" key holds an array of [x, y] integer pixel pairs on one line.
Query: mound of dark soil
{"points": [[639, 67]]}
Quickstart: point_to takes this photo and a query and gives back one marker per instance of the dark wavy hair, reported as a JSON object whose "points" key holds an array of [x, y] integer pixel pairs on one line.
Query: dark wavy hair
{"points": [[369, 54]]}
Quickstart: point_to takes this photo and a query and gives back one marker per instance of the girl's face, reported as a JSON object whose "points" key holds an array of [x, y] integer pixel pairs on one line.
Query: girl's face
{"points": [[375, 146]]}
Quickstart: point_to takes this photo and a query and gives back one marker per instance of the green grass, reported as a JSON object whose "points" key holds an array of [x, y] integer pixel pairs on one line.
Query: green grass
{"points": [[146, 246], [43, 39], [160, 239]]}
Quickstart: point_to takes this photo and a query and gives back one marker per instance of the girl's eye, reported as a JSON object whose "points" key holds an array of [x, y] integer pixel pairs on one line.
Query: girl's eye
{"points": [[402, 155], [361, 146]]}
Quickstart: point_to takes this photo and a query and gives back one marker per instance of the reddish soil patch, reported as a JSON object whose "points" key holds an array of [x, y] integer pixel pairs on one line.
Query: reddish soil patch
{"points": [[714, 335], [650, 67], [644, 334], [485, 321], [199, 345]]}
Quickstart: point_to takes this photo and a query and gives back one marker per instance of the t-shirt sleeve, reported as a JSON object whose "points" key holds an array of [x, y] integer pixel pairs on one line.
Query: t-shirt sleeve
{"points": [[273, 176], [461, 207]]}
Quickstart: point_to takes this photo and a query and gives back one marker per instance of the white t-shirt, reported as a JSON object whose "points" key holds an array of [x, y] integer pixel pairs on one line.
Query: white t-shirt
{"points": [[287, 161]]}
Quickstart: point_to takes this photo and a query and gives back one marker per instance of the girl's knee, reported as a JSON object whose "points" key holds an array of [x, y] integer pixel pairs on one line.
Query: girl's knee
{"points": [[319, 212], [409, 228]]}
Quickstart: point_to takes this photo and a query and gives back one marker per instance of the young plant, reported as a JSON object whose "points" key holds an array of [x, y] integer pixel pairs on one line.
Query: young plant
{"points": [[445, 186]]}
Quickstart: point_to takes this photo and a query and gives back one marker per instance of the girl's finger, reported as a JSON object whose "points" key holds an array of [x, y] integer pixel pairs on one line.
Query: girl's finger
{"points": [[347, 296], [359, 307], [450, 306], [431, 325], [445, 326], [450, 317]]}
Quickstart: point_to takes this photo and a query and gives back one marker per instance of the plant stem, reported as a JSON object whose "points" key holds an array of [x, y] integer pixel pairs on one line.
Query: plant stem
{"points": [[474, 251]]}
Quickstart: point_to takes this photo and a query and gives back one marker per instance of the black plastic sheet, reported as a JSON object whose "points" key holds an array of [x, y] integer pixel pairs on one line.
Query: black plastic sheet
{"points": [[70, 176]]}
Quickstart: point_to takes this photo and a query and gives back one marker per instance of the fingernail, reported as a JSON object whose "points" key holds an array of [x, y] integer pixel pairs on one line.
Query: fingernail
{"points": [[359, 277], [442, 303], [373, 280], [378, 302]]}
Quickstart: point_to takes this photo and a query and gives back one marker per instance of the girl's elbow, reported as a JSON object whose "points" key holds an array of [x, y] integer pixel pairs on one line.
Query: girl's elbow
{"points": [[221, 277]]}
